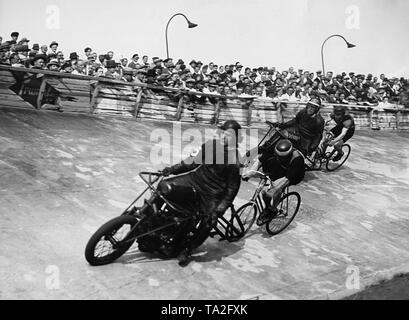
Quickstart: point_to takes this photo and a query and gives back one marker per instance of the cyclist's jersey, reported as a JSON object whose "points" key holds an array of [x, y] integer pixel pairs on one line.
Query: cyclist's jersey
{"points": [[309, 127], [347, 121], [294, 171]]}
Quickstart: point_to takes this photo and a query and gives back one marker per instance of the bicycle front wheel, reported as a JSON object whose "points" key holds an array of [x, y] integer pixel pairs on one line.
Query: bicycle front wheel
{"points": [[287, 209], [334, 165]]}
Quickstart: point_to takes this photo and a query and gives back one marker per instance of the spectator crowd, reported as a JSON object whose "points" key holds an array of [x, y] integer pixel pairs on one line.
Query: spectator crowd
{"points": [[232, 80]]}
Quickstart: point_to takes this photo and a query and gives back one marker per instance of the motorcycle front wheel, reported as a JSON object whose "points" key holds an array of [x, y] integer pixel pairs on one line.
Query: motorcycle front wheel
{"points": [[109, 242]]}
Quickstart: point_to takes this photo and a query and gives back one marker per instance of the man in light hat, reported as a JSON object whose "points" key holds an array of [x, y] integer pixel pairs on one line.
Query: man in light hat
{"points": [[54, 46], [53, 65]]}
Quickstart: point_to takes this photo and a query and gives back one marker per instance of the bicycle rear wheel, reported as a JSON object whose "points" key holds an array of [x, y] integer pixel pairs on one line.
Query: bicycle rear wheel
{"points": [[108, 243], [245, 217], [334, 165], [287, 210]]}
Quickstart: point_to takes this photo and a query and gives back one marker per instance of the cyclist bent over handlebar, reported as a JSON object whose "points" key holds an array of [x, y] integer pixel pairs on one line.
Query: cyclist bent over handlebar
{"points": [[343, 131], [285, 166]]}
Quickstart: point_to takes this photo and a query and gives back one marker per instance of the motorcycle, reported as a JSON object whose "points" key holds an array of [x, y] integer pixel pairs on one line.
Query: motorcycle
{"points": [[159, 226]]}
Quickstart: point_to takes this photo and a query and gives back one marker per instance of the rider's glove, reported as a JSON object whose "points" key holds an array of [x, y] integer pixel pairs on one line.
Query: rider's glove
{"points": [[215, 216], [167, 171], [280, 125]]}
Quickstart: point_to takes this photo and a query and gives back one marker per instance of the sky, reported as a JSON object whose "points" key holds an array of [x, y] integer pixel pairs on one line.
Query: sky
{"points": [[271, 33]]}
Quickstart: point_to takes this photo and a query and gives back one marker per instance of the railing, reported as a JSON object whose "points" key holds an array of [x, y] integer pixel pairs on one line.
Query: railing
{"points": [[47, 90]]}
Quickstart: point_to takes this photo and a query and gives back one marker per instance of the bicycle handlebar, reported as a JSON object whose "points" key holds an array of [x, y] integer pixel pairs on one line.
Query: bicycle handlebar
{"points": [[158, 174], [259, 174], [270, 123]]}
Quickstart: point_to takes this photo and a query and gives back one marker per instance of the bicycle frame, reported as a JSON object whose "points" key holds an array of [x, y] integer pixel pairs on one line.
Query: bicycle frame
{"points": [[257, 197], [320, 154], [229, 230]]}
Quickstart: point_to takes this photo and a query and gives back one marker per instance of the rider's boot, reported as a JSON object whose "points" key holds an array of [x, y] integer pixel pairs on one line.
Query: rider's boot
{"points": [[338, 156], [184, 258], [262, 218], [267, 215]]}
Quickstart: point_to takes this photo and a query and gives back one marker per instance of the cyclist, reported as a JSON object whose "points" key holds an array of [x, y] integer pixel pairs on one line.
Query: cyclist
{"points": [[285, 166], [308, 124], [343, 131], [213, 172]]}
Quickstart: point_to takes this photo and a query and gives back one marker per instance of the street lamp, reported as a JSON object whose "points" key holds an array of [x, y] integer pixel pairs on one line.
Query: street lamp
{"points": [[189, 24], [349, 45]]}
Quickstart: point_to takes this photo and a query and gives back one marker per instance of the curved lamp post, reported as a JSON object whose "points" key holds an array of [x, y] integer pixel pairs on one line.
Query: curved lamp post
{"points": [[349, 45], [189, 24]]}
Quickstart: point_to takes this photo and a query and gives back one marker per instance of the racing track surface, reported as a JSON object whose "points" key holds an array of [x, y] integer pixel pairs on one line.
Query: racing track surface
{"points": [[62, 176]]}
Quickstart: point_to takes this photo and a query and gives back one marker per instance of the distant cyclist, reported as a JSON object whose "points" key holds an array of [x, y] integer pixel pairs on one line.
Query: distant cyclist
{"points": [[285, 166], [308, 124], [343, 131]]}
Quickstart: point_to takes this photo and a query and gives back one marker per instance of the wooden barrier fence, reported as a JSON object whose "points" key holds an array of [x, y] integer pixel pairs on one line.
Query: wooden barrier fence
{"points": [[47, 90]]}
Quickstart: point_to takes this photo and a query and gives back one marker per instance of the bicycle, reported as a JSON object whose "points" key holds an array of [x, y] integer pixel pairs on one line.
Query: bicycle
{"points": [[287, 207], [321, 155], [157, 226]]}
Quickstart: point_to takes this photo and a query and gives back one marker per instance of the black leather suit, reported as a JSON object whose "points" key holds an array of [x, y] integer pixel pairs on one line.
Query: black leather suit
{"points": [[213, 172]]}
